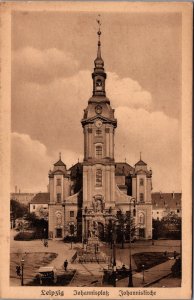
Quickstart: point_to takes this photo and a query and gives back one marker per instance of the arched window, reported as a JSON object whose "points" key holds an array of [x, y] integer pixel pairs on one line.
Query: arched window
{"points": [[98, 177], [58, 197], [141, 181], [98, 151], [98, 132], [98, 82], [58, 181], [141, 197]]}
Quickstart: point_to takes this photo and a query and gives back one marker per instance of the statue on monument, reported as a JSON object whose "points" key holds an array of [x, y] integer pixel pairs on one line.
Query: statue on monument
{"points": [[93, 229], [97, 205]]}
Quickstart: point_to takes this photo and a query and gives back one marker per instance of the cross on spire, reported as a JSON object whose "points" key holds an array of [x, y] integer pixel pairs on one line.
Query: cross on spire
{"points": [[99, 31], [140, 155], [99, 63], [59, 155]]}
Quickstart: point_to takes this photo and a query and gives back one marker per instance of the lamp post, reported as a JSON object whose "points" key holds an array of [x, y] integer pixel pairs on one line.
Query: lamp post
{"points": [[72, 230], [130, 282], [22, 271], [114, 253], [122, 231], [143, 269]]}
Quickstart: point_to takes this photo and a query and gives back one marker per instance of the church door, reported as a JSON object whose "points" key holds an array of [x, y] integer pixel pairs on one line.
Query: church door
{"points": [[100, 231], [58, 233], [141, 233]]}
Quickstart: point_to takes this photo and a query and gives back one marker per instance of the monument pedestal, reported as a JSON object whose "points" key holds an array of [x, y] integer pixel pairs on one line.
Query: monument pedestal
{"points": [[92, 245]]}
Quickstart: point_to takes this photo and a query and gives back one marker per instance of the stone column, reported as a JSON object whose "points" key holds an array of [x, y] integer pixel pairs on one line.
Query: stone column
{"points": [[85, 185], [107, 134], [111, 143], [89, 142]]}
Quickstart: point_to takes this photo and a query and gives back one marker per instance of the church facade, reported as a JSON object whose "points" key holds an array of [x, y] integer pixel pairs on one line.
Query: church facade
{"points": [[89, 194]]}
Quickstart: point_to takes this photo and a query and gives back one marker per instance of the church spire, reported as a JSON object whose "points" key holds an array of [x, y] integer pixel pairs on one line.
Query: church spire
{"points": [[99, 63], [99, 74]]}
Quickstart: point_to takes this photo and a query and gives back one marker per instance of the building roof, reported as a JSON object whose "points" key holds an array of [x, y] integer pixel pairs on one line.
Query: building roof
{"points": [[59, 163], [122, 169], [41, 198], [140, 163], [76, 169], [166, 200]]}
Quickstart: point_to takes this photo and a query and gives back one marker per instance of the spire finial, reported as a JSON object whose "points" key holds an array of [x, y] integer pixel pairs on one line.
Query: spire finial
{"points": [[59, 155], [140, 155], [99, 31], [78, 160], [99, 34]]}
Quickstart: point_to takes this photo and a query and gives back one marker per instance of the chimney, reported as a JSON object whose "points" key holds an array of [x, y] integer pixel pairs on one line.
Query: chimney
{"points": [[173, 195], [16, 189]]}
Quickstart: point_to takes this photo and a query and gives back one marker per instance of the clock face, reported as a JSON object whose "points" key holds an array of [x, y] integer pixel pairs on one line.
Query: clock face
{"points": [[98, 123], [98, 109]]}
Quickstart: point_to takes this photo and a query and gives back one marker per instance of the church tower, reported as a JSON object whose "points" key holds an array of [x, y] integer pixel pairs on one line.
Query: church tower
{"points": [[99, 126]]}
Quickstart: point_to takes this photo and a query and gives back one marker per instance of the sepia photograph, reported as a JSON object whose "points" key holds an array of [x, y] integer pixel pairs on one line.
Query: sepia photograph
{"points": [[97, 150]]}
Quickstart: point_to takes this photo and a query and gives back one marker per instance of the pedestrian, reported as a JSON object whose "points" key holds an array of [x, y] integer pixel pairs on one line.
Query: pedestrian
{"points": [[165, 253], [18, 270], [175, 254], [65, 264]]}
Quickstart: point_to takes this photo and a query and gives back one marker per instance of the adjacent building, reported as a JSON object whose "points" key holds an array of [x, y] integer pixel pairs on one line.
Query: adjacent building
{"points": [[39, 205], [23, 198], [164, 204]]}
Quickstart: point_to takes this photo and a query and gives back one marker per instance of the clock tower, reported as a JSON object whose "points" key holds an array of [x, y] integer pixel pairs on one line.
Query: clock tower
{"points": [[99, 126]]}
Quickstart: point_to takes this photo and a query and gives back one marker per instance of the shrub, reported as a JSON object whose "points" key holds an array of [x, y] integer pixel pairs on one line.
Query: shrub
{"points": [[176, 268], [73, 239], [25, 236]]}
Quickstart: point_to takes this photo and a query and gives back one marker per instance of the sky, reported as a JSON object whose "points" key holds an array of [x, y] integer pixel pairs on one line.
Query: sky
{"points": [[52, 60]]}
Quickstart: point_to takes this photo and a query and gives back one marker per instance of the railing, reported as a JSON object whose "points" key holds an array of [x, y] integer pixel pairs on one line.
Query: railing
{"points": [[74, 257]]}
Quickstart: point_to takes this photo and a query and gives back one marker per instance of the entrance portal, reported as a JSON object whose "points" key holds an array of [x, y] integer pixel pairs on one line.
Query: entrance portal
{"points": [[141, 233], [100, 231], [58, 233]]}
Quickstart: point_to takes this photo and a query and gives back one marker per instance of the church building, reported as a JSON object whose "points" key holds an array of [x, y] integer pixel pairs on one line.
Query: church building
{"points": [[89, 194]]}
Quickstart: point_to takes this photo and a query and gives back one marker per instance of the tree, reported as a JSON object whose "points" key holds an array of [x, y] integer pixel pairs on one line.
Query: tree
{"points": [[167, 227], [108, 232], [122, 227], [121, 219], [176, 268], [18, 210], [40, 225], [172, 224], [130, 226], [158, 229]]}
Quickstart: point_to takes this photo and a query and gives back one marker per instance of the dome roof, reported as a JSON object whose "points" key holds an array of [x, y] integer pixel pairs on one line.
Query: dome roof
{"points": [[59, 163], [140, 163]]}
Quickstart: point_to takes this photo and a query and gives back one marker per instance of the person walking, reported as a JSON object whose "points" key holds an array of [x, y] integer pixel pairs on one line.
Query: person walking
{"points": [[65, 264]]}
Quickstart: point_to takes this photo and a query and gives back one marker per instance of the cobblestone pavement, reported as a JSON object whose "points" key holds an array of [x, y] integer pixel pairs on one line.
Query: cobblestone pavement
{"points": [[150, 276], [90, 274], [63, 250]]}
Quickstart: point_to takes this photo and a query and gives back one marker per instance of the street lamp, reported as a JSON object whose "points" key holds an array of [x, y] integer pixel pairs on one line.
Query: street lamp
{"points": [[22, 269], [130, 283], [72, 229], [143, 269], [114, 274], [122, 232], [114, 253]]}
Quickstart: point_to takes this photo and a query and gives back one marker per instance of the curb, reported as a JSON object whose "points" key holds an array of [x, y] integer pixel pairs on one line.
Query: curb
{"points": [[154, 281]]}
